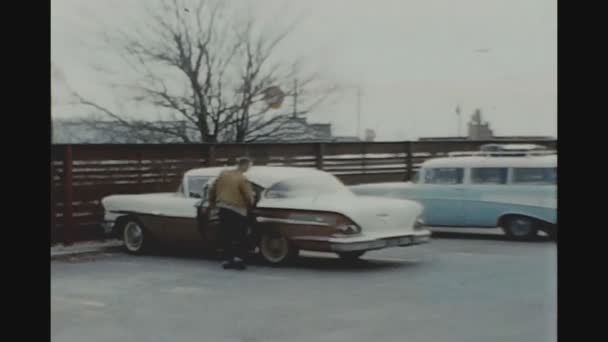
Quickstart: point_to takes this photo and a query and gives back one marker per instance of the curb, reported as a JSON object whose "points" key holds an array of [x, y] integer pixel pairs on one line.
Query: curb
{"points": [[84, 248]]}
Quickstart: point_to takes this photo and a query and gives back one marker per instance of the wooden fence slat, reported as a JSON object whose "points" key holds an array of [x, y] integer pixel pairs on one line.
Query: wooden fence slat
{"points": [[68, 196]]}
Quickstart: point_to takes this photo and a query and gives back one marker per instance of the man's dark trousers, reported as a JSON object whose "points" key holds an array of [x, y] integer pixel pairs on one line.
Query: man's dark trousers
{"points": [[233, 234]]}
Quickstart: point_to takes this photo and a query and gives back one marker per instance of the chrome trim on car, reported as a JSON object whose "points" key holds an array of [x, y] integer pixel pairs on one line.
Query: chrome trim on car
{"points": [[290, 221], [107, 226], [380, 243]]}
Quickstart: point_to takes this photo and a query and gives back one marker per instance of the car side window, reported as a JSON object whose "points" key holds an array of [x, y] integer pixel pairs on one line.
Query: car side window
{"points": [[444, 176], [489, 175], [535, 175], [197, 186]]}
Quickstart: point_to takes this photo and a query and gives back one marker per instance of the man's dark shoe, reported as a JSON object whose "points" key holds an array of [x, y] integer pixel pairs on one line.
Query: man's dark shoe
{"points": [[239, 264]]}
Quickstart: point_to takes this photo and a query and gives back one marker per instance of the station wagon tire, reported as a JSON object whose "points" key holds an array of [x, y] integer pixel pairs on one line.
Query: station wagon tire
{"points": [[276, 250], [520, 227], [135, 237], [351, 256]]}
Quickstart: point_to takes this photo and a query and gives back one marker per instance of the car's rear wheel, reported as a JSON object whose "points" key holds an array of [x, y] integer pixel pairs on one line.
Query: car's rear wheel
{"points": [[275, 249], [520, 227], [351, 256], [135, 237]]}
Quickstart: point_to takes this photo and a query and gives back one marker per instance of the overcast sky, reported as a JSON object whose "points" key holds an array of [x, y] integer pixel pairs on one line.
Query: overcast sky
{"points": [[415, 60]]}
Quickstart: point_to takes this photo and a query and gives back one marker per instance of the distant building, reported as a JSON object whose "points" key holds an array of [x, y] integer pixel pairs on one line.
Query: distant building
{"points": [[293, 129], [111, 132], [498, 138], [345, 139], [480, 130], [370, 135]]}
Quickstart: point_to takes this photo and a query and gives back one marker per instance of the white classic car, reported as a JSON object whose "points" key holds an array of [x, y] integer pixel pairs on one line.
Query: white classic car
{"points": [[297, 209]]}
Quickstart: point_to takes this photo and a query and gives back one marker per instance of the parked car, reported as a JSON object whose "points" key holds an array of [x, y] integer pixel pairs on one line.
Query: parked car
{"points": [[297, 209], [517, 193]]}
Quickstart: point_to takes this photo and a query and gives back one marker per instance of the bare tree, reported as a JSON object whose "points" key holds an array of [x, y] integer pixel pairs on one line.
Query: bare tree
{"points": [[207, 72]]}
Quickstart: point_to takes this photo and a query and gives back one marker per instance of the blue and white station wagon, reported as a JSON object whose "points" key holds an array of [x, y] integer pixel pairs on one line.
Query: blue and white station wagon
{"points": [[516, 192]]}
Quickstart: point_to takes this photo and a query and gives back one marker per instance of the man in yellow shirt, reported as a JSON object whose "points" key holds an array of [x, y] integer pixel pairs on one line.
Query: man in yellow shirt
{"points": [[233, 195]]}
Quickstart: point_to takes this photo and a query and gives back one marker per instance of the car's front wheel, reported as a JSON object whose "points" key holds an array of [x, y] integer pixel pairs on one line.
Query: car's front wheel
{"points": [[520, 227], [135, 237], [275, 249]]}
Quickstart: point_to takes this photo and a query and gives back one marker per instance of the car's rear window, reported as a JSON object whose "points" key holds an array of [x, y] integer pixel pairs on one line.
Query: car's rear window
{"points": [[535, 175], [307, 186]]}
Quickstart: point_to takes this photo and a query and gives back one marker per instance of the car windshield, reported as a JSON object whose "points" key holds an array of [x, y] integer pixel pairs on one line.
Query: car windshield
{"points": [[312, 185]]}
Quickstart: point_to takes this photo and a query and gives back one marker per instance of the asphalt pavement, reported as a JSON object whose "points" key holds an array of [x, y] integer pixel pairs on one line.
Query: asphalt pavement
{"points": [[460, 287]]}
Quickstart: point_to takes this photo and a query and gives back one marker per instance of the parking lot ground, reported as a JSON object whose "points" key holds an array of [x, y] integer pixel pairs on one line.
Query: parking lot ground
{"points": [[460, 287]]}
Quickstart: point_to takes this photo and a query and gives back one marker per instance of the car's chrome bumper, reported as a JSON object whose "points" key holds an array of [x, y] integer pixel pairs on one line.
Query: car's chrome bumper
{"points": [[363, 243], [107, 226]]}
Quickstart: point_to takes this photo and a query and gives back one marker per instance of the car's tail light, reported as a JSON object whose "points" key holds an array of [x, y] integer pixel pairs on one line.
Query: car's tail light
{"points": [[419, 223], [341, 223]]}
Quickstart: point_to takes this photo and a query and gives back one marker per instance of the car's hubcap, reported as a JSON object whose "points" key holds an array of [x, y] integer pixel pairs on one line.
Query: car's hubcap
{"points": [[274, 248], [521, 227], [134, 236]]}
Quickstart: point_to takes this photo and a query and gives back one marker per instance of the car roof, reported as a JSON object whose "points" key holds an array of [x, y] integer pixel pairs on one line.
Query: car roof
{"points": [[383, 185], [480, 161], [264, 176]]}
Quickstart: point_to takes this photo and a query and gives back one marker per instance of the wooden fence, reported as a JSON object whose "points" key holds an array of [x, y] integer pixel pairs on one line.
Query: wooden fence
{"points": [[81, 175]]}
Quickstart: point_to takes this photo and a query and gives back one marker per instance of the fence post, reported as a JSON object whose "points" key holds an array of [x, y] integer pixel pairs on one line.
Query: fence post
{"points": [[363, 158], [210, 154], [53, 200], [320, 154], [68, 219], [409, 161]]}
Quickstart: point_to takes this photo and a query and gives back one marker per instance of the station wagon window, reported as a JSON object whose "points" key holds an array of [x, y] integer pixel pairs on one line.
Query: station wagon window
{"points": [[535, 175], [416, 177], [489, 175], [443, 176]]}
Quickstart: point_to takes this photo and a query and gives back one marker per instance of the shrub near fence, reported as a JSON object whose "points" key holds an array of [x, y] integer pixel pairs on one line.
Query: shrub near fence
{"points": [[81, 175]]}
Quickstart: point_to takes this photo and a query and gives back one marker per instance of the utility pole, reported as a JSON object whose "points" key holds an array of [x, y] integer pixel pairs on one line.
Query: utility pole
{"points": [[359, 94], [459, 119], [295, 98]]}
